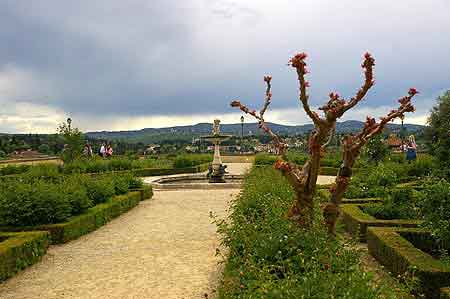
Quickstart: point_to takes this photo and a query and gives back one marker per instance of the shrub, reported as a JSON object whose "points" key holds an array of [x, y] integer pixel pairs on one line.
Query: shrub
{"points": [[183, 161], [29, 204], [400, 204], [372, 182], [45, 170], [121, 183], [265, 159], [423, 166], [435, 207], [14, 169], [100, 189], [77, 194], [271, 257]]}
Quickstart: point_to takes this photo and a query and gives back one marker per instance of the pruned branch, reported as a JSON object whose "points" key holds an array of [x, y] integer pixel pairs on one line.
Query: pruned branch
{"points": [[372, 128], [367, 65], [278, 142], [298, 62]]}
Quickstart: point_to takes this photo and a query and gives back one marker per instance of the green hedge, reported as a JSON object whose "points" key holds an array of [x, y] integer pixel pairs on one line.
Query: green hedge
{"points": [[87, 222], [358, 201], [356, 221], [400, 256], [19, 250], [168, 171]]}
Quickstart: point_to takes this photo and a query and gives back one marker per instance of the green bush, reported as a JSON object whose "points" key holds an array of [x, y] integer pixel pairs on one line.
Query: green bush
{"points": [[265, 159], [372, 181], [270, 257], [423, 166], [77, 194], [400, 204], [435, 207], [183, 161], [100, 189], [14, 169], [28, 204]]}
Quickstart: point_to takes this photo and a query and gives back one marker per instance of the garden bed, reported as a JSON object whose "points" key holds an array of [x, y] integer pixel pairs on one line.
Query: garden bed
{"points": [[390, 247], [356, 221], [19, 250], [87, 222]]}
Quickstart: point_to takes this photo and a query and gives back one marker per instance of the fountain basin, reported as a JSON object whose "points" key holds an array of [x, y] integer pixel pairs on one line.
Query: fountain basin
{"points": [[196, 182]]}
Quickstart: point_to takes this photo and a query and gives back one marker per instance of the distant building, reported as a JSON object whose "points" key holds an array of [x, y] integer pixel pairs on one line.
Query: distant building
{"points": [[152, 149], [394, 142]]}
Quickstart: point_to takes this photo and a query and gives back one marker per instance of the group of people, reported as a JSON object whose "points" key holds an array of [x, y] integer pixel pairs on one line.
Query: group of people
{"points": [[105, 150]]}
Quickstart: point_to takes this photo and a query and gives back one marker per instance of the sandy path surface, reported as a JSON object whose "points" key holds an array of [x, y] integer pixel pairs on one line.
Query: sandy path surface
{"points": [[164, 248]]}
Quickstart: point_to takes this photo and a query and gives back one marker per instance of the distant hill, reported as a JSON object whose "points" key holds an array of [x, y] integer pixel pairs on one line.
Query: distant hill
{"points": [[152, 135]]}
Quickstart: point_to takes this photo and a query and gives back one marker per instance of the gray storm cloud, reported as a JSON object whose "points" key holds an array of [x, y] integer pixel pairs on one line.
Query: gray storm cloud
{"points": [[102, 58]]}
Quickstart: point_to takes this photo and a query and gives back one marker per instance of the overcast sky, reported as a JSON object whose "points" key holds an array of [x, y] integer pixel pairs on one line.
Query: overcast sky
{"points": [[118, 65]]}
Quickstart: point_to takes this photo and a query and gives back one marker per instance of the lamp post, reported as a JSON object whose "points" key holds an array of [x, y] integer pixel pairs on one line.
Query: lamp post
{"points": [[69, 122], [402, 133], [242, 132]]}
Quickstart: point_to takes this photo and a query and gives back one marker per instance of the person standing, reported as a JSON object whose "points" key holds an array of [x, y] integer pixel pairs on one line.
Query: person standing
{"points": [[411, 149], [102, 151], [87, 151], [109, 151]]}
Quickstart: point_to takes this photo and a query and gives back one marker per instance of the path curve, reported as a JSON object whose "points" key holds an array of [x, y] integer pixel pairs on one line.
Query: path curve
{"points": [[163, 248]]}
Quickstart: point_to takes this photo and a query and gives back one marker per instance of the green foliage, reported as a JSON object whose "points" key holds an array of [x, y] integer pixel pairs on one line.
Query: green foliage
{"points": [[2, 154], [437, 134], [20, 250], [265, 159], [28, 204], [372, 182], [270, 257], [189, 160], [376, 149], [435, 207], [14, 169], [44, 148], [100, 189], [400, 204], [73, 142], [34, 199]]}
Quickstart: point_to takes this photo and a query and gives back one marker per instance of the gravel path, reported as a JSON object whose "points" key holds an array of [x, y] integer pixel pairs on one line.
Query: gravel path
{"points": [[164, 248]]}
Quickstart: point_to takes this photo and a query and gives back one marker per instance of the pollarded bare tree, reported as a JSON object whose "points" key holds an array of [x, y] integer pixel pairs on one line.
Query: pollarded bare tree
{"points": [[304, 179]]}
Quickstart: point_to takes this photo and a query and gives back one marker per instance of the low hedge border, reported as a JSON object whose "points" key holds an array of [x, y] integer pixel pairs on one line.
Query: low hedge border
{"points": [[359, 201], [356, 221], [139, 172], [445, 293], [398, 254], [87, 222], [146, 192], [20, 250]]}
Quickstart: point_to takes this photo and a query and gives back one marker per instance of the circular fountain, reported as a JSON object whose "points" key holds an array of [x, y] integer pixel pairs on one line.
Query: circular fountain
{"points": [[217, 170], [216, 177]]}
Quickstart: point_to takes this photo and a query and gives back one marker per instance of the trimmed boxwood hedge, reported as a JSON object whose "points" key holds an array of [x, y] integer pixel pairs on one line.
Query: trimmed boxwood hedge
{"points": [[19, 250], [168, 171], [356, 221], [87, 222], [358, 201], [398, 254], [445, 293]]}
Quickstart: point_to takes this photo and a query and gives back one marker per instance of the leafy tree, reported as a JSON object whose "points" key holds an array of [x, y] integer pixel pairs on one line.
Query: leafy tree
{"points": [[438, 132], [376, 149], [44, 148], [73, 141]]}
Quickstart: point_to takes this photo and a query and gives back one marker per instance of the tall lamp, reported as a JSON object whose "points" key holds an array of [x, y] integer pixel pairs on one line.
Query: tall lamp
{"points": [[242, 131]]}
